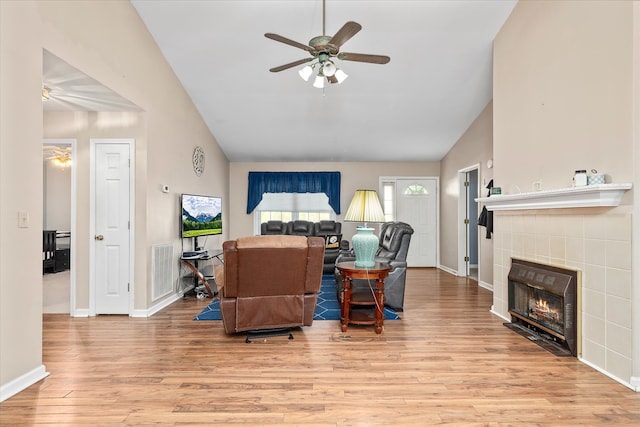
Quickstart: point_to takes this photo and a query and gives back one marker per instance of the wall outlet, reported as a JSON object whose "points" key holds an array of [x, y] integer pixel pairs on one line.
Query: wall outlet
{"points": [[537, 186]]}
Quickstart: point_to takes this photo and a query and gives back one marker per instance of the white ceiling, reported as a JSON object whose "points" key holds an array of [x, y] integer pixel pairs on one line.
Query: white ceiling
{"points": [[412, 109]]}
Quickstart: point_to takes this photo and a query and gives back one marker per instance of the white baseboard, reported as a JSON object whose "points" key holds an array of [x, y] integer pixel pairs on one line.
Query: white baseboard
{"points": [[448, 270], [138, 313], [493, 311], [16, 386], [602, 371], [156, 308], [82, 312], [487, 286]]}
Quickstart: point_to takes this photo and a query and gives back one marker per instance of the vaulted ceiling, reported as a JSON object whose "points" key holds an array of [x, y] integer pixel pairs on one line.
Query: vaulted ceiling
{"points": [[412, 109]]}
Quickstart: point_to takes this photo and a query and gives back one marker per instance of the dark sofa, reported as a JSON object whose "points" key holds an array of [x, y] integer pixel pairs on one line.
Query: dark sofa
{"points": [[324, 229]]}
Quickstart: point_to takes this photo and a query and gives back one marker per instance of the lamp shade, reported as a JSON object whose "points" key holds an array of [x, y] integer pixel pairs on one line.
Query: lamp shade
{"points": [[328, 69], [305, 72], [365, 207], [340, 76], [319, 82]]}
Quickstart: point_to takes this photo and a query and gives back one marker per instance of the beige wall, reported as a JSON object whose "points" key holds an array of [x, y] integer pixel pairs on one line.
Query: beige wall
{"points": [[563, 100], [563, 93], [107, 41], [20, 190], [354, 176], [474, 147]]}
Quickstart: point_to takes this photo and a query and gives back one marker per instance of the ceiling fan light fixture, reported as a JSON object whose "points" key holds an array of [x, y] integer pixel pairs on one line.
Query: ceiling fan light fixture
{"points": [[319, 82], [329, 69], [305, 72], [323, 49], [340, 75], [62, 162]]}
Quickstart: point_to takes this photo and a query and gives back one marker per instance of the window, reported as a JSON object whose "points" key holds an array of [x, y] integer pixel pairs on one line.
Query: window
{"points": [[415, 190], [388, 201], [287, 207]]}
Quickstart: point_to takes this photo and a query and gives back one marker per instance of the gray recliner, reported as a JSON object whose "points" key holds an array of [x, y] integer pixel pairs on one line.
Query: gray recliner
{"points": [[392, 248]]}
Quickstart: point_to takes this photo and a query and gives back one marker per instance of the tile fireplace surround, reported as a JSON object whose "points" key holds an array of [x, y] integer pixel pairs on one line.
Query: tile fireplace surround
{"points": [[596, 241]]}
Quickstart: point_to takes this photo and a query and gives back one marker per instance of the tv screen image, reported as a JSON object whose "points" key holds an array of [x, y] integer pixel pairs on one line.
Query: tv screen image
{"points": [[201, 215]]}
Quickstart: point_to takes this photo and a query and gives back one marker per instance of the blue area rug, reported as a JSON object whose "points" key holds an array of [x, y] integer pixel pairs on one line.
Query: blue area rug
{"points": [[327, 308]]}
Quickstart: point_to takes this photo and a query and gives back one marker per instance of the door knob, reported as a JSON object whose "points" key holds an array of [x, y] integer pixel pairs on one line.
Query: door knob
{"points": [[99, 237]]}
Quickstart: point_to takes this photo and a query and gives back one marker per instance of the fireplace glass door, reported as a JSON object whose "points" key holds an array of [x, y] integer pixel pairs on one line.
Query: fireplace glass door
{"points": [[541, 306]]}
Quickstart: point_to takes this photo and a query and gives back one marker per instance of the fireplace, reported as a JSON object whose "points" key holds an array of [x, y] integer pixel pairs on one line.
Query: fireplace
{"points": [[543, 300]]}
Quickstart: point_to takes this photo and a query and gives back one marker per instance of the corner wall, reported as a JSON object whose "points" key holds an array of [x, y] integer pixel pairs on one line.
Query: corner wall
{"points": [[107, 41], [474, 147], [563, 100]]}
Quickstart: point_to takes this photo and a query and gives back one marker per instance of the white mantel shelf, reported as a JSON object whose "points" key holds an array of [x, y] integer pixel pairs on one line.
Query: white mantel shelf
{"points": [[574, 197]]}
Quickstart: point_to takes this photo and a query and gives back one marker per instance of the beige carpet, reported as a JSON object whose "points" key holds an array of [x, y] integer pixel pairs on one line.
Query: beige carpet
{"points": [[56, 292]]}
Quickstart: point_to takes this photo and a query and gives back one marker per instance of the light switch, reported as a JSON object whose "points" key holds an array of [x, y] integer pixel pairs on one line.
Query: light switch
{"points": [[23, 219]]}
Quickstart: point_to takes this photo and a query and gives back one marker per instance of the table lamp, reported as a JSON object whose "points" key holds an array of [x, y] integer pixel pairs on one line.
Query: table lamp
{"points": [[365, 207]]}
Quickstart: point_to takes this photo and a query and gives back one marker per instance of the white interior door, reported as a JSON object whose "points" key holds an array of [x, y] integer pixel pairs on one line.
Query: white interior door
{"points": [[111, 226], [417, 205]]}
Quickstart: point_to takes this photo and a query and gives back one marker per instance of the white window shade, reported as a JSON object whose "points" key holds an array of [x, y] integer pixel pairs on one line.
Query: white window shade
{"points": [[301, 202]]}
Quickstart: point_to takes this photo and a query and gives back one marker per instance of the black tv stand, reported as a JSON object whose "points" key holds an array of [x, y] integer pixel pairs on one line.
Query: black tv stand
{"points": [[193, 264]]}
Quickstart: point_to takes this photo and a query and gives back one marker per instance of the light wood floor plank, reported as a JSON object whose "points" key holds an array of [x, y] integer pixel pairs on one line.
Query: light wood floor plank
{"points": [[449, 361]]}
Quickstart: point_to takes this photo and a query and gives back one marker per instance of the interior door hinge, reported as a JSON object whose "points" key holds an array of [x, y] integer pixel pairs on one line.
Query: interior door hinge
{"points": [[466, 183], [466, 259], [128, 225], [128, 287], [466, 220]]}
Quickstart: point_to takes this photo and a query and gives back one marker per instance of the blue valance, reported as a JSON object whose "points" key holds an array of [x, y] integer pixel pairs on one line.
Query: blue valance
{"points": [[294, 182]]}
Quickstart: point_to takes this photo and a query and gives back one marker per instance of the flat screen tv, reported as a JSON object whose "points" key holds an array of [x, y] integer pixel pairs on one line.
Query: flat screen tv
{"points": [[201, 215]]}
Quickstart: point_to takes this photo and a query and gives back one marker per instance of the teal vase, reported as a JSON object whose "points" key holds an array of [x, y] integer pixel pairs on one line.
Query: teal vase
{"points": [[365, 246]]}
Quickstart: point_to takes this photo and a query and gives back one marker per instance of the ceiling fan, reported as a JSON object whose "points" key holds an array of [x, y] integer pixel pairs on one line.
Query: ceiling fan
{"points": [[324, 49], [60, 155]]}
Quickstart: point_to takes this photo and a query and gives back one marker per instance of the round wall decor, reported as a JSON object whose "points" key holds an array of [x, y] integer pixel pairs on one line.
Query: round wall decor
{"points": [[198, 160]]}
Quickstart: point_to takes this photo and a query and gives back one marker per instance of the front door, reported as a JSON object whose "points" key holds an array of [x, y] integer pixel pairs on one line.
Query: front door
{"points": [[111, 219], [417, 206]]}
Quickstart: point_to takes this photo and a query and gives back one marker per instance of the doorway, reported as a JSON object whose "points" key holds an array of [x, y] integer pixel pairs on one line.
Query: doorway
{"points": [[417, 204], [468, 243], [111, 228], [59, 202]]}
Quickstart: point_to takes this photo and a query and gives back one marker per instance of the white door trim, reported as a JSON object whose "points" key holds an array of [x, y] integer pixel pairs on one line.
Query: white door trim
{"points": [[394, 179], [92, 214], [73, 221], [462, 213]]}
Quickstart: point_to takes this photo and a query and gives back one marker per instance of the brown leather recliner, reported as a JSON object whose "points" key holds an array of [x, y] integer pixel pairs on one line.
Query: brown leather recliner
{"points": [[270, 282]]}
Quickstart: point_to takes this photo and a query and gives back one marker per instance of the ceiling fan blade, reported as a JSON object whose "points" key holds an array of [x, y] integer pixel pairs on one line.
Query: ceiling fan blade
{"points": [[332, 79], [347, 31], [289, 65], [290, 42], [363, 57]]}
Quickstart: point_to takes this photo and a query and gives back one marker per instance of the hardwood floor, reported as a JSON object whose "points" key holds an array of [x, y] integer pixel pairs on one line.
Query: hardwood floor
{"points": [[448, 361]]}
